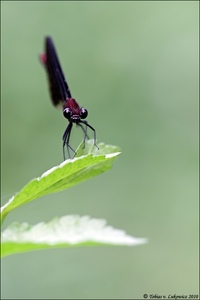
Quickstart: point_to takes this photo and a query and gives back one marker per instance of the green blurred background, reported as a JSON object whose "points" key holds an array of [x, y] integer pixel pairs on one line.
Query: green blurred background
{"points": [[134, 66]]}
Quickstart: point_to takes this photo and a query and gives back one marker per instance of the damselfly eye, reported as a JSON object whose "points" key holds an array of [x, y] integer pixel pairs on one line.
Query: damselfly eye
{"points": [[83, 113], [67, 113]]}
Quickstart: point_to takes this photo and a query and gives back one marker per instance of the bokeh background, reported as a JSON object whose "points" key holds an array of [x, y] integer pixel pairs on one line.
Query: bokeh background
{"points": [[134, 66]]}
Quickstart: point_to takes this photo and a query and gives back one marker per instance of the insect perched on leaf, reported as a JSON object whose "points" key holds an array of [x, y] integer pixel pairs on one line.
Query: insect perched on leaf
{"points": [[60, 93]]}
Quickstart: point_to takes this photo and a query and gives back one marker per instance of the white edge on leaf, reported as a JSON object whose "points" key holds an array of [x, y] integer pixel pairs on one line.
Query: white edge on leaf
{"points": [[110, 155], [53, 169], [69, 230], [9, 201]]}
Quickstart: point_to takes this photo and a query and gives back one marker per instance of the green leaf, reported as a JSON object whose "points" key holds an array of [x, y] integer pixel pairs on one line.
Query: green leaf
{"points": [[88, 163], [67, 231]]}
